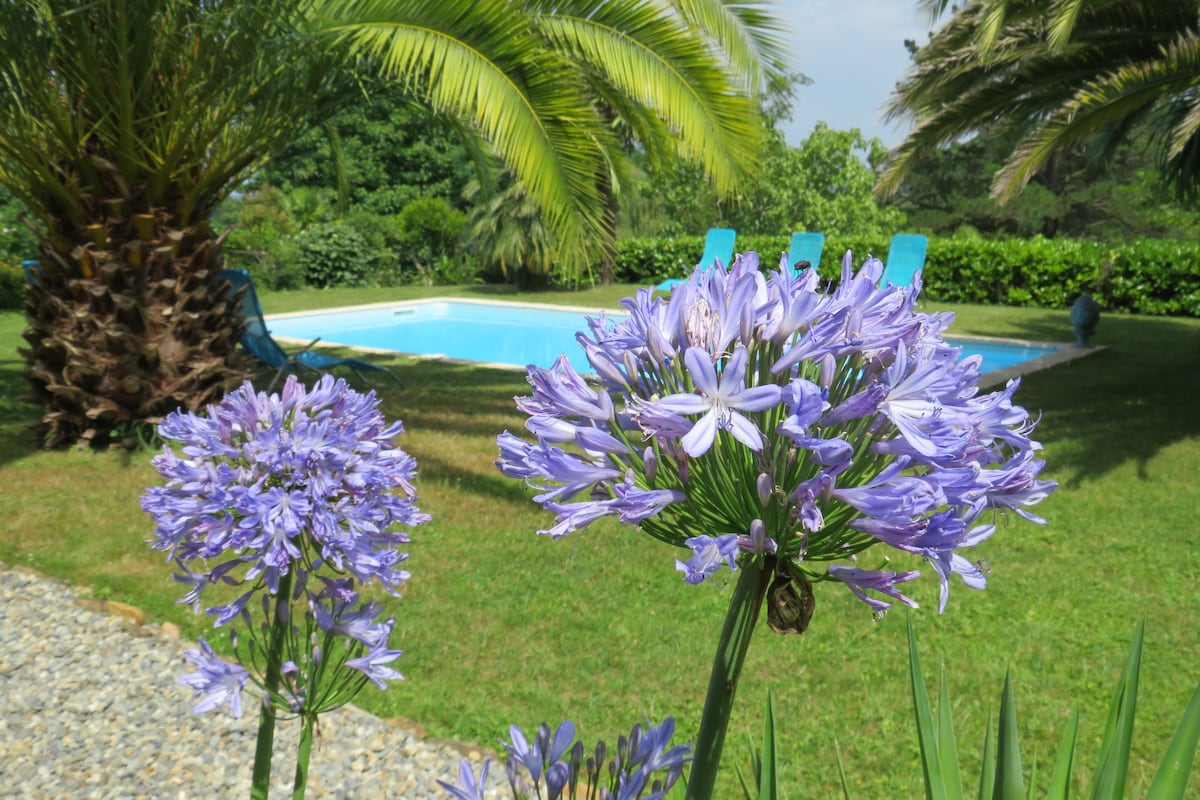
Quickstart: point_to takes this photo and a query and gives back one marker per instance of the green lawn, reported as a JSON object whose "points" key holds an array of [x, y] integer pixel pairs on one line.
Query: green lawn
{"points": [[502, 626]]}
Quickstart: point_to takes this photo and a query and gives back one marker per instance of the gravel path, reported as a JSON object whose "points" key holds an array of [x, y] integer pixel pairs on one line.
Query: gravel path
{"points": [[90, 708]]}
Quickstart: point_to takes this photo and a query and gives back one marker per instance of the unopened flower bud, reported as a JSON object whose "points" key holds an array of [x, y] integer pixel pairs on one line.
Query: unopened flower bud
{"points": [[650, 464], [765, 486], [828, 370]]}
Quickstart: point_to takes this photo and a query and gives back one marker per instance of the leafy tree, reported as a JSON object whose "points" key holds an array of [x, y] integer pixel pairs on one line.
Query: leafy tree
{"points": [[258, 228], [384, 151], [826, 184], [124, 124], [17, 241], [1055, 74], [1119, 199]]}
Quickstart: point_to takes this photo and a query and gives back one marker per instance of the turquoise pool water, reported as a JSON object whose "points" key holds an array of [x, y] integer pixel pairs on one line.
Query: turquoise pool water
{"points": [[516, 335]]}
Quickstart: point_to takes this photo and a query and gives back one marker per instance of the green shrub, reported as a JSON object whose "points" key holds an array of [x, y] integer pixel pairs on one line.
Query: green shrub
{"points": [[384, 237], [1141, 276], [12, 285], [431, 242], [335, 254], [260, 238]]}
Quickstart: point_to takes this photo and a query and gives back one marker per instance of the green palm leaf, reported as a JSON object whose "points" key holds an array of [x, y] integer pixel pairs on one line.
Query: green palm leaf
{"points": [[643, 55], [1057, 73], [480, 61]]}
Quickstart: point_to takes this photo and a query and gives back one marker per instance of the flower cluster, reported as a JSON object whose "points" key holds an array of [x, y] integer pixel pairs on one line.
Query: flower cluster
{"points": [[643, 767], [297, 498], [760, 415]]}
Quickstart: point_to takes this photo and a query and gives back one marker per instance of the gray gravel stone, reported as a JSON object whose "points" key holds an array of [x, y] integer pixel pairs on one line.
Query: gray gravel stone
{"points": [[90, 708]]}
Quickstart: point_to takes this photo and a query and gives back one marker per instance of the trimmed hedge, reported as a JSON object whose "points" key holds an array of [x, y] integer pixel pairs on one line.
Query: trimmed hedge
{"points": [[1142, 276]]}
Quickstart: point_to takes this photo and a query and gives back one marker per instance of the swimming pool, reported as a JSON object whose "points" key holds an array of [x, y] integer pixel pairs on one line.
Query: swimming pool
{"points": [[517, 335]]}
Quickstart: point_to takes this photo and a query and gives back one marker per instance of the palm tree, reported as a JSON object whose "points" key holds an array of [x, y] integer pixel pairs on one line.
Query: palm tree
{"points": [[123, 124], [1057, 74], [677, 77]]}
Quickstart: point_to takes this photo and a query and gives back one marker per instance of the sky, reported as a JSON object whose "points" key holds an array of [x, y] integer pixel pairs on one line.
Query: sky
{"points": [[853, 50]]}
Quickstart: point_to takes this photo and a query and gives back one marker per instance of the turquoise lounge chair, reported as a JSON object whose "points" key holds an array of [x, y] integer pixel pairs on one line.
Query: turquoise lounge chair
{"points": [[258, 341], [33, 271], [804, 252], [905, 256], [718, 246]]}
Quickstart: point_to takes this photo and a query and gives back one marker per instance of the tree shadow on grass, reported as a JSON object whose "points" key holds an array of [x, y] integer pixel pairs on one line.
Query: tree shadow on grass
{"points": [[455, 398], [1141, 394], [18, 418]]}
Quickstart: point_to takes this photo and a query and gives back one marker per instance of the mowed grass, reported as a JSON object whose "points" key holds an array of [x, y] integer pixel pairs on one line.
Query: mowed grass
{"points": [[501, 626]]}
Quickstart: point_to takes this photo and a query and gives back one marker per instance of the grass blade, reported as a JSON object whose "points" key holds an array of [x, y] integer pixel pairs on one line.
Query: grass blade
{"points": [[1171, 779], [1010, 783], [1118, 732], [767, 776], [947, 747], [749, 792], [837, 752], [763, 761], [1060, 781], [926, 732], [987, 772]]}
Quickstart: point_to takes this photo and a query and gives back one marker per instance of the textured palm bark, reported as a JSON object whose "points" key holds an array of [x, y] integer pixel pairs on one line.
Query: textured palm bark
{"points": [[126, 322]]}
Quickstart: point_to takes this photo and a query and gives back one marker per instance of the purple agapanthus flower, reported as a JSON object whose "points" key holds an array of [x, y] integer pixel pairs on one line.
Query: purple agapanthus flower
{"points": [[468, 787], [215, 682], [263, 492], [721, 401], [816, 420], [374, 664], [709, 554], [643, 766]]}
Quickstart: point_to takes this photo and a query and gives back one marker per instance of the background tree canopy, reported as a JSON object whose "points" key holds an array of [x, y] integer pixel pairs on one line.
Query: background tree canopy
{"points": [[381, 152]]}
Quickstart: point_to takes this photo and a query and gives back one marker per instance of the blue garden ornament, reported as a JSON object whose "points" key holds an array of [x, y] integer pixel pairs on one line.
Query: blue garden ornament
{"points": [[1085, 316]]}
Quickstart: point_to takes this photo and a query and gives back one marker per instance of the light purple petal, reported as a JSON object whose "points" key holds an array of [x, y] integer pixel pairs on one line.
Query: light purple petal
{"points": [[700, 438], [745, 431], [702, 370]]}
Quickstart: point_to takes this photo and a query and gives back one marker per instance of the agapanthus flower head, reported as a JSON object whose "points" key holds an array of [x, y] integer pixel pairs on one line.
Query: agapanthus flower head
{"points": [[266, 490], [552, 765], [760, 415], [284, 481]]}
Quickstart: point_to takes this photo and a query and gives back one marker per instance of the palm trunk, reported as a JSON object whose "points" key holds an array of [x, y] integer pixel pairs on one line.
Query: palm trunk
{"points": [[126, 323]]}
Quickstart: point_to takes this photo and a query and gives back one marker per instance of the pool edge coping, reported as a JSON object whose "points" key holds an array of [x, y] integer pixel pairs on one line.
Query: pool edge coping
{"points": [[428, 300]]}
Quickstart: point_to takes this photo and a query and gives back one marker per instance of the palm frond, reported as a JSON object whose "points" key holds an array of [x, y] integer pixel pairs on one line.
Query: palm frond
{"points": [[1130, 89], [747, 33], [664, 67], [1043, 79], [480, 61], [1062, 23], [169, 103]]}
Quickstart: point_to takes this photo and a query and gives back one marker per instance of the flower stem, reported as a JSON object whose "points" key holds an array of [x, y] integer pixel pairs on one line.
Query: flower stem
{"points": [[306, 737], [740, 619], [260, 783]]}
